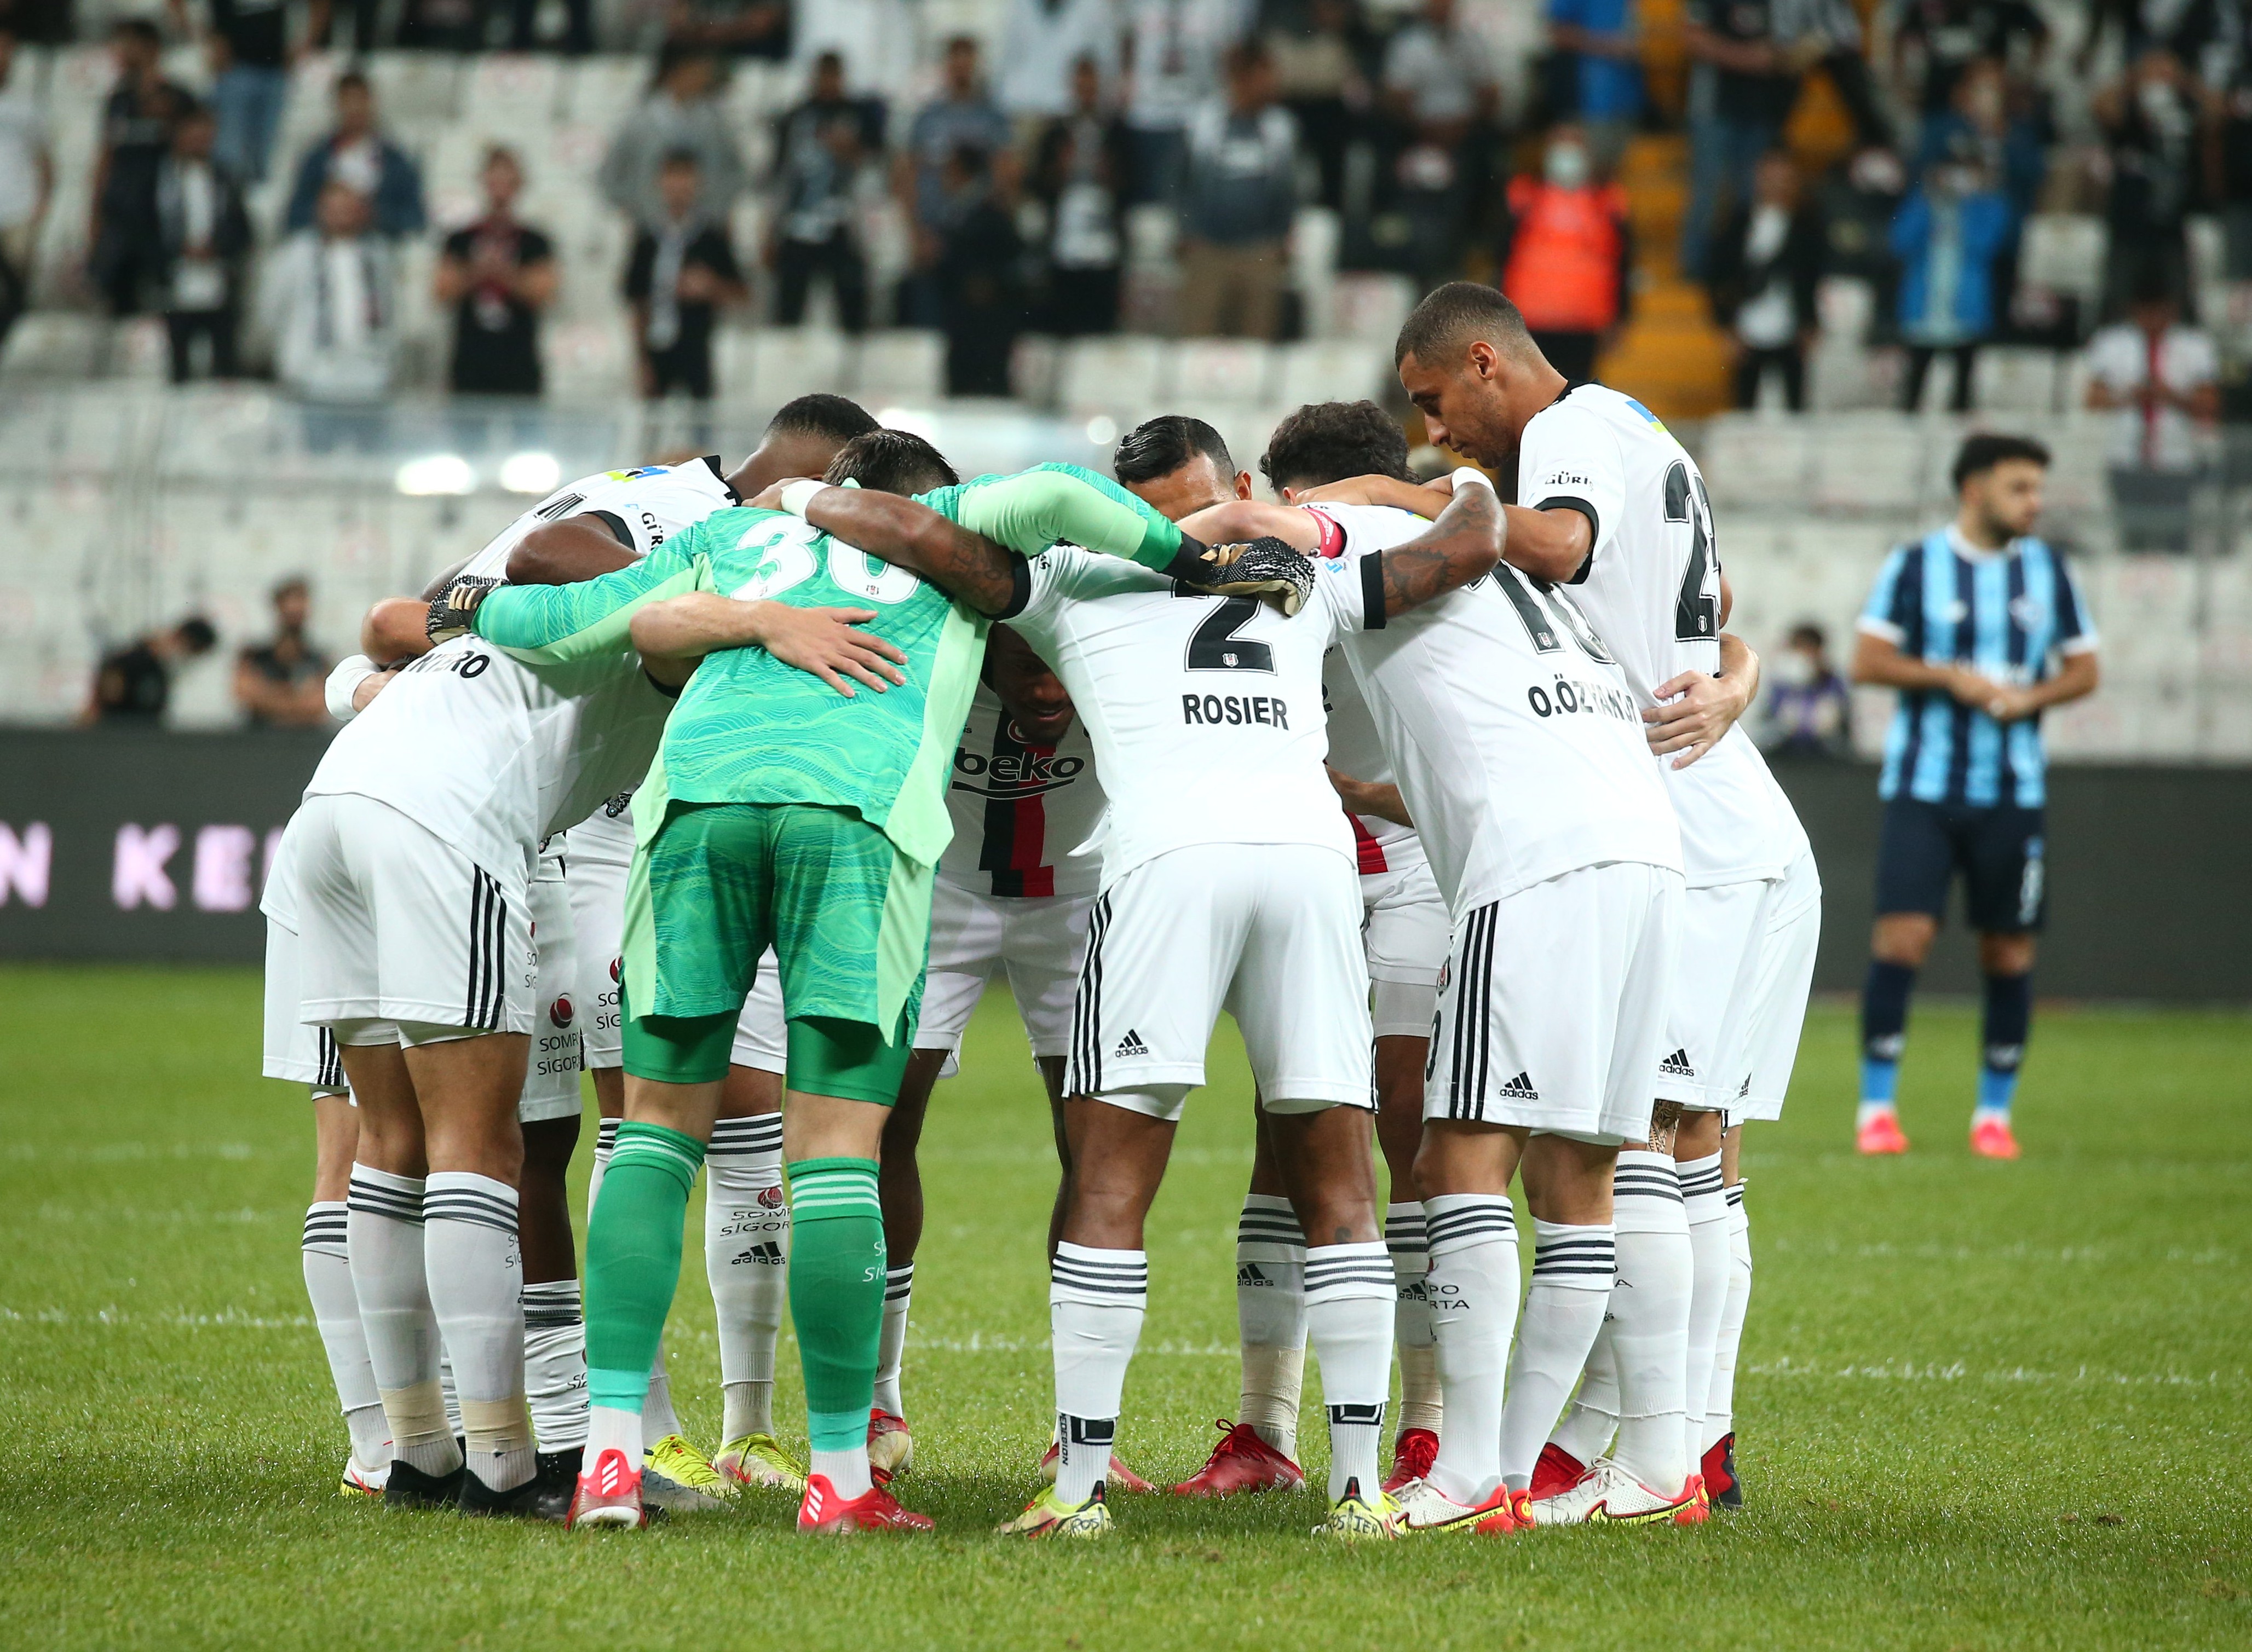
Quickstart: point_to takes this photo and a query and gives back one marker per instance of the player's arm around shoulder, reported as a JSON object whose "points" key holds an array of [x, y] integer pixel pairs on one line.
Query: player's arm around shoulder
{"points": [[554, 623], [908, 534], [674, 634], [1470, 536]]}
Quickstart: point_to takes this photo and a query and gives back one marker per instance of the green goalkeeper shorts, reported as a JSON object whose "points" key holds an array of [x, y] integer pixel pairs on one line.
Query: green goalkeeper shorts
{"points": [[718, 883]]}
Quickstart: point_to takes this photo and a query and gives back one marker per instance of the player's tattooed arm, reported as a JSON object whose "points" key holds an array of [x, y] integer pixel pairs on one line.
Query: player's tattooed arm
{"points": [[674, 634], [1470, 535], [967, 566]]}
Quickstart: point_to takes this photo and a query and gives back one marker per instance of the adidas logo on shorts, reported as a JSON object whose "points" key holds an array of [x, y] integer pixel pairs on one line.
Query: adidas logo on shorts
{"points": [[1678, 1066], [1520, 1089], [1131, 1044]]}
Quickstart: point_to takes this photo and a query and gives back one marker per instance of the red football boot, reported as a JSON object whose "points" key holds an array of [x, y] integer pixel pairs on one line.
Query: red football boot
{"points": [[1241, 1461], [1413, 1454], [874, 1509], [1557, 1469]]}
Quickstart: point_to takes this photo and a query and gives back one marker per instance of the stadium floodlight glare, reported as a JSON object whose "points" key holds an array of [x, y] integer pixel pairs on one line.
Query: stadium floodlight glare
{"points": [[531, 472], [1101, 431], [437, 473], [911, 420]]}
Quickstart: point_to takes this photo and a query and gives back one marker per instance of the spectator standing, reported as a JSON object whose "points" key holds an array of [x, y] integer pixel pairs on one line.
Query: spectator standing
{"points": [[206, 237], [1236, 206], [681, 112], [961, 116], [2161, 382], [126, 256], [1979, 126], [331, 300], [247, 43], [134, 684], [2155, 118], [1080, 173], [1809, 713], [821, 149], [731, 28], [1599, 71], [682, 271], [27, 182], [1742, 82], [1934, 43], [980, 277], [1441, 84], [1174, 49], [1320, 51], [1567, 255], [357, 155], [1764, 272], [498, 275], [1042, 43], [1950, 237], [283, 684]]}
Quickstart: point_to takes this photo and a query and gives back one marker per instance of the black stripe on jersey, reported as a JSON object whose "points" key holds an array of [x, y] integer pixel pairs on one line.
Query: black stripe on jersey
{"points": [[720, 469], [616, 525], [1021, 587], [1086, 1075], [996, 855], [1371, 592]]}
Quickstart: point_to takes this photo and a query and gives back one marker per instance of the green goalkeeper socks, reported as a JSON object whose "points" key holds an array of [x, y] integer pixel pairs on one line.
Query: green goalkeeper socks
{"points": [[633, 1258], [836, 1293]]}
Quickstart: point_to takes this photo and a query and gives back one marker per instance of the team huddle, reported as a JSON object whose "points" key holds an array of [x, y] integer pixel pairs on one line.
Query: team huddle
{"points": [[738, 788]]}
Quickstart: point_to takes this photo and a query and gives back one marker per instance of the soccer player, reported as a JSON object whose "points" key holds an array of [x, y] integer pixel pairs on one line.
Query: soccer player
{"points": [[810, 821], [1516, 747], [1181, 465], [1630, 530], [1010, 895], [419, 834], [1981, 628], [1204, 715]]}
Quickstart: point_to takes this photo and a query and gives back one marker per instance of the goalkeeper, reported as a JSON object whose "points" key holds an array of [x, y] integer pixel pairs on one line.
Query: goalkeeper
{"points": [[782, 812]]}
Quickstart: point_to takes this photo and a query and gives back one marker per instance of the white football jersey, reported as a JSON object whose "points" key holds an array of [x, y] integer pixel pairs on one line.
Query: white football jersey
{"points": [[1020, 809], [492, 754], [1205, 711], [1357, 750], [1652, 588], [1515, 741]]}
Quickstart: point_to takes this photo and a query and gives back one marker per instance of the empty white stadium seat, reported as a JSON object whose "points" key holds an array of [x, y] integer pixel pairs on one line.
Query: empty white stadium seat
{"points": [[414, 90], [52, 344], [1873, 461], [1125, 372], [902, 363], [1372, 305], [603, 91], [2016, 378], [1330, 370], [2064, 252], [589, 361], [512, 96], [1220, 370], [790, 362]]}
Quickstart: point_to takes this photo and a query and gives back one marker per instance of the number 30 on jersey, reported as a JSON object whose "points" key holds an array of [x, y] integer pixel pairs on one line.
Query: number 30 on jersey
{"points": [[790, 557]]}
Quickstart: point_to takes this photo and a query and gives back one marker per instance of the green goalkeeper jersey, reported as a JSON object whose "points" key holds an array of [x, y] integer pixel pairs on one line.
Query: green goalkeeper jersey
{"points": [[750, 729]]}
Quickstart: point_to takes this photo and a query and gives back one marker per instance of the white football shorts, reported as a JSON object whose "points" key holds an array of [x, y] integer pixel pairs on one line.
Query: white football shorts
{"points": [[1039, 939], [596, 855], [1405, 933], [552, 1065], [761, 1034], [1270, 934], [1719, 947], [395, 925], [1759, 1039], [1553, 1002], [294, 1051]]}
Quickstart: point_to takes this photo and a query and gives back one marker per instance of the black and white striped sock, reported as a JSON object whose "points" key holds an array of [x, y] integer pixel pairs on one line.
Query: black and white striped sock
{"points": [[1572, 1270], [1097, 1303]]}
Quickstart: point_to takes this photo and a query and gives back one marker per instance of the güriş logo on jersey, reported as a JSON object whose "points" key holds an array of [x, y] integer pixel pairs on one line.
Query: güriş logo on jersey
{"points": [[560, 1011]]}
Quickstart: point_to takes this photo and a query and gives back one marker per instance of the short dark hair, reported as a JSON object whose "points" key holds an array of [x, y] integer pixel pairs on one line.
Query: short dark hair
{"points": [[1982, 453], [1808, 631], [1158, 447], [136, 29], [350, 78], [675, 158], [891, 462], [1330, 440], [838, 418], [196, 634], [288, 583], [2154, 283], [1451, 316]]}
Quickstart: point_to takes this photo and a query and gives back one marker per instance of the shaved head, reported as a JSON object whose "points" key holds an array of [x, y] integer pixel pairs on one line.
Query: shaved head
{"points": [[1454, 316]]}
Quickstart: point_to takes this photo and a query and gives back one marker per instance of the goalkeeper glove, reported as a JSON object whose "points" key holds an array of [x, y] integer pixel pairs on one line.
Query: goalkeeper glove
{"points": [[453, 610], [1272, 569]]}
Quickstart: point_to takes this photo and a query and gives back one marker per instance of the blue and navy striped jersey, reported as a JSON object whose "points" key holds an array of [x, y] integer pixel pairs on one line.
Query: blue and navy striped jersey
{"points": [[2007, 615]]}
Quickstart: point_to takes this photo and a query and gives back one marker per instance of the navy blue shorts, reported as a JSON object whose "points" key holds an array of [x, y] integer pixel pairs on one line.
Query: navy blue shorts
{"points": [[1999, 851]]}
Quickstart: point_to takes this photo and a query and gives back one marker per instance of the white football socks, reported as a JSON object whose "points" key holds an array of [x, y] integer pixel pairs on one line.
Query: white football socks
{"points": [[1586, 1431], [477, 1291], [1573, 1268], [746, 1259], [1097, 1303], [1650, 1320], [1705, 1203], [1404, 1236], [336, 1311], [385, 1224], [1270, 1316], [1350, 1297], [891, 1339], [1473, 1307], [611, 1429], [555, 1362], [1721, 1397]]}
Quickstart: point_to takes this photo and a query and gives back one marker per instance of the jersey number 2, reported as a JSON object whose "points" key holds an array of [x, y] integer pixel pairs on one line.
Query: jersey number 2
{"points": [[1216, 647], [1696, 611]]}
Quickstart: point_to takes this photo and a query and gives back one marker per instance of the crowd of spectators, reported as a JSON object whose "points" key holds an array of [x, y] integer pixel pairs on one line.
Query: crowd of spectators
{"points": [[1017, 181]]}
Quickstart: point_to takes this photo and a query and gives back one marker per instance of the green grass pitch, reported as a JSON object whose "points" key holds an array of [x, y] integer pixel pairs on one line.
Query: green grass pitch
{"points": [[1985, 1405]]}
